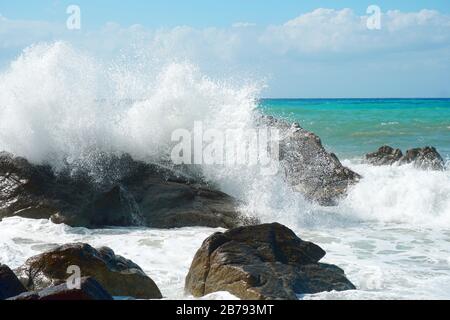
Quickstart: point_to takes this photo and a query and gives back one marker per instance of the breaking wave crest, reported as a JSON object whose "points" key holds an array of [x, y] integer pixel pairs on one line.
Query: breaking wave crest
{"points": [[63, 107]]}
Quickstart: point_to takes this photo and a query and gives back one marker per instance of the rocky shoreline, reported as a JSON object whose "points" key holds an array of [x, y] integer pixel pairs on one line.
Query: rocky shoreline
{"points": [[251, 260], [261, 262]]}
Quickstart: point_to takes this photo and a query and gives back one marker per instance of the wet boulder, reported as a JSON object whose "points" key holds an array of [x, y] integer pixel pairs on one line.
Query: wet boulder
{"points": [[424, 158], [129, 193], [10, 285], [262, 262], [89, 289], [427, 158], [119, 276], [35, 191], [174, 203], [309, 167], [385, 155]]}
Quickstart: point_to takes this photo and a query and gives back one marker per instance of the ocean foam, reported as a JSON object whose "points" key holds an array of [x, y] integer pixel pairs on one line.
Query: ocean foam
{"points": [[400, 194], [61, 106], [57, 103], [165, 255], [383, 260]]}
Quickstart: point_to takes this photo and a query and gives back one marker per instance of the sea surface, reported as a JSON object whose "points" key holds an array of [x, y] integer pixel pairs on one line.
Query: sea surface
{"points": [[353, 127], [391, 235]]}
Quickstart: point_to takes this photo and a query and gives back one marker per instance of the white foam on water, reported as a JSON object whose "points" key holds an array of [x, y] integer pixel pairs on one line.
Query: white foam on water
{"points": [[384, 261], [61, 106], [57, 103], [392, 123], [400, 194], [165, 255]]}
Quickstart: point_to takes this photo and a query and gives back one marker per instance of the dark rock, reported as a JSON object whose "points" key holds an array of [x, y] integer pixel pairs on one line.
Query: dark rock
{"points": [[89, 289], [116, 207], [34, 191], [384, 156], [130, 193], [424, 158], [262, 262], [313, 171], [119, 276], [10, 285], [168, 204]]}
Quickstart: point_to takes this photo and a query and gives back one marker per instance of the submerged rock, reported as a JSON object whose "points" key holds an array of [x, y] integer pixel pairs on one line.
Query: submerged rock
{"points": [[309, 168], [385, 155], [119, 276], [262, 262], [89, 289], [424, 158], [131, 193], [10, 285]]}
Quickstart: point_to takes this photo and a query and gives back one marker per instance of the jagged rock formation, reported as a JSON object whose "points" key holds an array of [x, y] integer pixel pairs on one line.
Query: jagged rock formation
{"points": [[309, 168], [426, 158], [131, 193]]}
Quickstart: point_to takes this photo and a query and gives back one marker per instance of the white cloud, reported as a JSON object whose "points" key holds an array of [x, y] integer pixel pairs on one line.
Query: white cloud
{"points": [[319, 31], [323, 43], [342, 31], [243, 24]]}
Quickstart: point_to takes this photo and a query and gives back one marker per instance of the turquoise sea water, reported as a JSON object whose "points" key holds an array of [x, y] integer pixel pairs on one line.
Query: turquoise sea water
{"points": [[353, 127]]}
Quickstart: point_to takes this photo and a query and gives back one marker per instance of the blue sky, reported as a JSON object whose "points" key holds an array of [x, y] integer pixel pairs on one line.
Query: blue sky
{"points": [[196, 13], [300, 48]]}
